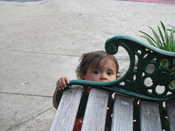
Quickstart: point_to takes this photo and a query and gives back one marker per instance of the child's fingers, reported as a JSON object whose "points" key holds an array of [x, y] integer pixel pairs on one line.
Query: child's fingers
{"points": [[62, 83], [66, 80]]}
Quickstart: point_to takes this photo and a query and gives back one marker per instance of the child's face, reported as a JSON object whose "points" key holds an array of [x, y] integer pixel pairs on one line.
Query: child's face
{"points": [[105, 72]]}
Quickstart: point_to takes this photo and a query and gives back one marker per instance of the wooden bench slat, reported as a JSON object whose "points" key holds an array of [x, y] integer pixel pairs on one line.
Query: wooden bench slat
{"points": [[95, 114], [122, 114], [150, 116], [171, 114], [67, 110]]}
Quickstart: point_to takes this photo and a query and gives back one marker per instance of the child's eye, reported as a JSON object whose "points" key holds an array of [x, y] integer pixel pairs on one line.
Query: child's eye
{"points": [[96, 72], [110, 73]]}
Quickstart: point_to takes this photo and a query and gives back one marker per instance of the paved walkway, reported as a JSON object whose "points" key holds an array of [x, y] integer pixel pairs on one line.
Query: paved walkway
{"points": [[42, 40]]}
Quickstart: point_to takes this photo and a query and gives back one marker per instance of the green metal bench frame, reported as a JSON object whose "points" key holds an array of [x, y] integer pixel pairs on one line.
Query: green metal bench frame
{"points": [[146, 63]]}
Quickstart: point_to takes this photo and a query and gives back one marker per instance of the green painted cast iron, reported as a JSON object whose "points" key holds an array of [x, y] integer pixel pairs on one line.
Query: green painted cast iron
{"points": [[147, 63]]}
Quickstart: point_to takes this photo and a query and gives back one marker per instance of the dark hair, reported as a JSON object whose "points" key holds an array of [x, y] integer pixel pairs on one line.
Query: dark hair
{"points": [[92, 59]]}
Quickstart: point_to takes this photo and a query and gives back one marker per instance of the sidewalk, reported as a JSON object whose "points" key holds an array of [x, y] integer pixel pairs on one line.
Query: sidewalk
{"points": [[42, 40]]}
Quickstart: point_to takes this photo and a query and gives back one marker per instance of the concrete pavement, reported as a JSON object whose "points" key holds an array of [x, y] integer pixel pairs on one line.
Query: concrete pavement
{"points": [[42, 40]]}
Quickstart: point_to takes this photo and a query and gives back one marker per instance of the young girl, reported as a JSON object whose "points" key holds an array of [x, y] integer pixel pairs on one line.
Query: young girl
{"points": [[94, 66]]}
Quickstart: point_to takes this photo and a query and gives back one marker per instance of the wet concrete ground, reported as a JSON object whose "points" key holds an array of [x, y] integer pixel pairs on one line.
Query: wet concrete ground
{"points": [[43, 40]]}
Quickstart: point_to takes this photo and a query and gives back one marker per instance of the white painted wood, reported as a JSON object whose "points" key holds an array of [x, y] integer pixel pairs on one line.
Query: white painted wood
{"points": [[171, 114], [122, 114], [67, 110], [95, 115], [150, 116]]}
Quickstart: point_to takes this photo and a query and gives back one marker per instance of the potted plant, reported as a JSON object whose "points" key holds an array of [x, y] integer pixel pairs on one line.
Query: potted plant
{"points": [[163, 37]]}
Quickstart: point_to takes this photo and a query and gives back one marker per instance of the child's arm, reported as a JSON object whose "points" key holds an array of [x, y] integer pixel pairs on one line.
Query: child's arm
{"points": [[56, 98], [60, 86]]}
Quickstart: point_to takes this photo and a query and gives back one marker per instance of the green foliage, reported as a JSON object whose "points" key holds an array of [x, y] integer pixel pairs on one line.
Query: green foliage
{"points": [[163, 37], [172, 28]]}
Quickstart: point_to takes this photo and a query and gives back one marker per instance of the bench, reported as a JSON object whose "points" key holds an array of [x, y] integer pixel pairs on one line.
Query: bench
{"points": [[145, 94]]}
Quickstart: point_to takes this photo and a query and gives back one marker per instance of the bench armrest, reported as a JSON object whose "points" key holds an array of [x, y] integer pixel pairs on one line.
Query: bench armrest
{"points": [[146, 63]]}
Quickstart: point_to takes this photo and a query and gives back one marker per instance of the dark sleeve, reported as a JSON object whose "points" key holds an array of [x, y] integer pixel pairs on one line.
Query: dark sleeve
{"points": [[56, 98]]}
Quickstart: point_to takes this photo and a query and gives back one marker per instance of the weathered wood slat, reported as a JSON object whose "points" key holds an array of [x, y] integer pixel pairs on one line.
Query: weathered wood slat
{"points": [[122, 114], [171, 114], [67, 110], [95, 115], [150, 116]]}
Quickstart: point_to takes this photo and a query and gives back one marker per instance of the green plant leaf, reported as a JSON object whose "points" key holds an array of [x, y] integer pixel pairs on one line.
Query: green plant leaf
{"points": [[165, 33], [150, 41], [163, 37], [171, 29], [171, 41], [156, 36], [148, 38]]}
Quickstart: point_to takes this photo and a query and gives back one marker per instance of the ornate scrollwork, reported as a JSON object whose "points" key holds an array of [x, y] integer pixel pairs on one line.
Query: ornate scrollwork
{"points": [[151, 73]]}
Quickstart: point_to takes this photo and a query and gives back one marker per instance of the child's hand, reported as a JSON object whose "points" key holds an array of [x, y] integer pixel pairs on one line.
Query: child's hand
{"points": [[62, 83]]}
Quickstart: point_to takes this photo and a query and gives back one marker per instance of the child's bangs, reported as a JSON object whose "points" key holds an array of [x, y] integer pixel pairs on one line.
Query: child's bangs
{"points": [[95, 63]]}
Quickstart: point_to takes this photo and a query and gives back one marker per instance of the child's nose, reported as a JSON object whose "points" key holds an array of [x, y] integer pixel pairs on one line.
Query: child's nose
{"points": [[103, 78], [103, 75]]}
